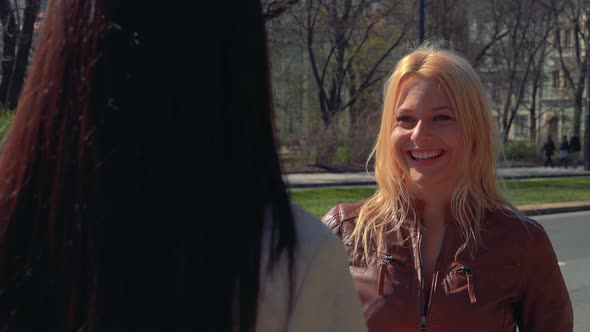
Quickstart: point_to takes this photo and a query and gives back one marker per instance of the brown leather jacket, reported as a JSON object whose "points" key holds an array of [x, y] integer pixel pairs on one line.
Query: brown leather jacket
{"points": [[514, 280]]}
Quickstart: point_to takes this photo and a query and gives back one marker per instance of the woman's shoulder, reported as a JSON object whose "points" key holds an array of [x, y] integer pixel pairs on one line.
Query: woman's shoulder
{"points": [[342, 218], [511, 221], [320, 261], [521, 230], [314, 239], [311, 233]]}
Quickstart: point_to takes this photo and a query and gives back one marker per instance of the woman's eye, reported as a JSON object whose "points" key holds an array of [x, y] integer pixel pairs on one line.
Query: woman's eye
{"points": [[405, 122], [442, 117], [402, 119]]}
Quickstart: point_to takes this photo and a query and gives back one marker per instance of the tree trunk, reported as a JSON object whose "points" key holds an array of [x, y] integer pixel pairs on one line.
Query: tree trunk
{"points": [[505, 113], [532, 113], [22, 56], [578, 108], [329, 141], [8, 19]]}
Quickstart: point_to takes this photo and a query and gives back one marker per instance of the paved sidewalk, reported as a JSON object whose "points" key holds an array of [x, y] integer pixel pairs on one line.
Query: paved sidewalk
{"points": [[318, 180], [307, 180]]}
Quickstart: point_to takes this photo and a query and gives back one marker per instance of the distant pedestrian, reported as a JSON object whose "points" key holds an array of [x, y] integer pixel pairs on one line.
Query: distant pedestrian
{"points": [[564, 148], [575, 149], [549, 148]]}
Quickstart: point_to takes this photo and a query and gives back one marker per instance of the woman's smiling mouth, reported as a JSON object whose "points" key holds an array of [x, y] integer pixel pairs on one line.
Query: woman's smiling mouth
{"points": [[425, 155]]}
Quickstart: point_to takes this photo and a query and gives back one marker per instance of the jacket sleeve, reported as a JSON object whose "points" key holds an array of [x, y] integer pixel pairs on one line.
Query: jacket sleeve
{"points": [[545, 304], [328, 300], [332, 220]]}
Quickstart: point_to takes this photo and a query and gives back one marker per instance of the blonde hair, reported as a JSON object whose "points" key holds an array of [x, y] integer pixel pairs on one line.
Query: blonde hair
{"points": [[478, 188]]}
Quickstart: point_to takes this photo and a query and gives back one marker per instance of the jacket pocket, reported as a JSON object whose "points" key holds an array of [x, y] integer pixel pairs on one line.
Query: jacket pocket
{"points": [[473, 278], [382, 284], [384, 270], [388, 264]]}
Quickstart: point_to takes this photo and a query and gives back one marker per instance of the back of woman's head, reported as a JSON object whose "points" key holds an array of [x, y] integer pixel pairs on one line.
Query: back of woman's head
{"points": [[139, 169]]}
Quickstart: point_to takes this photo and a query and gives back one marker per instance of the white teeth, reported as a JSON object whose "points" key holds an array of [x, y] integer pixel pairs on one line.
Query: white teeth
{"points": [[425, 155]]}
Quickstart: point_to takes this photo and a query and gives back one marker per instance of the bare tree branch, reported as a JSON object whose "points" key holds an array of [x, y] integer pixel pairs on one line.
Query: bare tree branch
{"points": [[335, 47], [568, 15], [274, 8]]}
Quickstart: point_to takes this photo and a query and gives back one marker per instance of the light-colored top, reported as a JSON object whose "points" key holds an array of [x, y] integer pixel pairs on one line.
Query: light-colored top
{"points": [[325, 298]]}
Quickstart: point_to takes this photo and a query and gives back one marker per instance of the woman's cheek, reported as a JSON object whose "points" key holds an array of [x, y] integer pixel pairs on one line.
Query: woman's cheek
{"points": [[397, 142]]}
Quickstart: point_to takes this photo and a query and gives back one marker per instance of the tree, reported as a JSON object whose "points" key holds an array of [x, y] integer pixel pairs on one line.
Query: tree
{"points": [[8, 19], [486, 31], [273, 8], [447, 20], [536, 82], [335, 33], [572, 53], [16, 48], [528, 25], [290, 91]]}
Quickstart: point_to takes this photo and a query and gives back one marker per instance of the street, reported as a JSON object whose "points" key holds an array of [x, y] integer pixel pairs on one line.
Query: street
{"points": [[570, 235]]}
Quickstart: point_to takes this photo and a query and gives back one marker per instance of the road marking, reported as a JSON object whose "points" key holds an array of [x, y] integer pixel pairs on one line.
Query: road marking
{"points": [[561, 263]]}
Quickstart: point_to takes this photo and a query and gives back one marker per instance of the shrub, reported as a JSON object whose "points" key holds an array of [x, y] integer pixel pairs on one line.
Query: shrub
{"points": [[520, 150], [6, 117], [343, 156]]}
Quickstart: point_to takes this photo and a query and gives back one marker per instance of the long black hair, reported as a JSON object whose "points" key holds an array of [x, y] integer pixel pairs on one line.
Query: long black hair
{"points": [[139, 170]]}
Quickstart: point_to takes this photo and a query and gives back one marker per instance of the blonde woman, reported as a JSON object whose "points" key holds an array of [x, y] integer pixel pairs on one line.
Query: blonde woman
{"points": [[438, 247]]}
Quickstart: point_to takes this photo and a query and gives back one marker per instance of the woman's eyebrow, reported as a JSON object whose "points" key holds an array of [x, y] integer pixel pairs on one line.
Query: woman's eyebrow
{"points": [[404, 109], [442, 107], [435, 108]]}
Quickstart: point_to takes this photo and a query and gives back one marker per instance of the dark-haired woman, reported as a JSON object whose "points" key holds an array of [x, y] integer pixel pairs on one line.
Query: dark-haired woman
{"points": [[140, 187]]}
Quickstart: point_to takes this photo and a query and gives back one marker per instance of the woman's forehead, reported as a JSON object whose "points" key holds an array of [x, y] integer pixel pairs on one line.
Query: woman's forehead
{"points": [[419, 89]]}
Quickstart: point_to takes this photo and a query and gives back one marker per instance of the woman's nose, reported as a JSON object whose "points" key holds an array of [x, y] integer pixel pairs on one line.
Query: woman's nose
{"points": [[422, 131]]}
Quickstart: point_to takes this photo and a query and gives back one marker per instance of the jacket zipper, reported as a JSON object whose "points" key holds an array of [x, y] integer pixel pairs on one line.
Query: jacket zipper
{"points": [[486, 266], [468, 272], [383, 257], [385, 260], [425, 309], [423, 320], [390, 259]]}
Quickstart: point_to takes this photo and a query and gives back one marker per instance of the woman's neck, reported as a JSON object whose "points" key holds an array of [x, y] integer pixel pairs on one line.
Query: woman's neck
{"points": [[432, 204], [434, 215], [433, 210]]}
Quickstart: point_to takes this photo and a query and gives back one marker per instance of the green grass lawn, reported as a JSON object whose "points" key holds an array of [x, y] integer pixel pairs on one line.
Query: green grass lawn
{"points": [[522, 192]]}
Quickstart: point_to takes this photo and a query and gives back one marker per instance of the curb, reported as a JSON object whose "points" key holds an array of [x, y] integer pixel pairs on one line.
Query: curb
{"points": [[526, 177], [550, 208]]}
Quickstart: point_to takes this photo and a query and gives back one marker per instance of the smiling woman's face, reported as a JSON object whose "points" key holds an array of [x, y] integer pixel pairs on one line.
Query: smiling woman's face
{"points": [[425, 136]]}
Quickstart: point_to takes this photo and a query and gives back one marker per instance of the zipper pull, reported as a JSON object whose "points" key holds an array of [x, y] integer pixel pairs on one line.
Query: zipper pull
{"points": [[381, 278], [390, 259], [423, 324], [470, 287]]}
